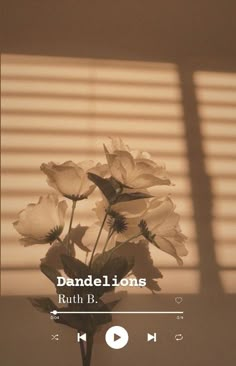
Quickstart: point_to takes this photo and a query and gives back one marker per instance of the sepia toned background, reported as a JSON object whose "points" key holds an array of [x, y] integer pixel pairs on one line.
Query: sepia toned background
{"points": [[163, 80], [58, 109]]}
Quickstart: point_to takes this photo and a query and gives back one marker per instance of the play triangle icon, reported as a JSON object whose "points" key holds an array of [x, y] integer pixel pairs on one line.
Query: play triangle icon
{"points": [[116, 337]]}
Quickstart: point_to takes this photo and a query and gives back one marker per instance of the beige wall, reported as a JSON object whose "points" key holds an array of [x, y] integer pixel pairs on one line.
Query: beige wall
{"points": [[187, 118], [60, 109]]}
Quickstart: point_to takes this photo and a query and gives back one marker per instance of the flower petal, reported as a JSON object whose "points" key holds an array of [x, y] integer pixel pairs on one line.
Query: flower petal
{"points": [[116, 143], [132, 209], [126, 160], [118, 171], [166, 246], [38, 222], [66, 177], [149, 180], [159, 211], [26, 242], [168, 226]]}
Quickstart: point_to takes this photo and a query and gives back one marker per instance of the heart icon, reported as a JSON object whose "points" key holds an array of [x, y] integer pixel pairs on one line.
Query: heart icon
{"points": [[178, 300]]}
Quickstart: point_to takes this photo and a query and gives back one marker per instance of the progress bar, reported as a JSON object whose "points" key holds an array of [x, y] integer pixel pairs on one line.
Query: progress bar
{"points": [[55, 312]]}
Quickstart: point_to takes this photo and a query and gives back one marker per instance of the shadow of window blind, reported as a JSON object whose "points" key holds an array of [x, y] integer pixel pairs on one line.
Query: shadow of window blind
{"points": [[56, 109], [216, 95]]}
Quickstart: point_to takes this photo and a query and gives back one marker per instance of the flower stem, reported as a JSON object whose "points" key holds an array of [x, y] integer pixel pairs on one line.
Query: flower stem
{"points": [[86, 257], [89, 350], [71, 221], [82, 350], [111, 232], [99, 234], [86, 355], [125, 242]]}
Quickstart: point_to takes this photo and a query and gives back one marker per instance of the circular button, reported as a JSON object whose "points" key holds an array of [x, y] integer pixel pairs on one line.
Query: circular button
{"points": [[117, 337]]}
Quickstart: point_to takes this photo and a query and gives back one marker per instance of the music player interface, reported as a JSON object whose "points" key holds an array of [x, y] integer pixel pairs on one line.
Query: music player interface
{"points": [[117, 337], [118, 205]]}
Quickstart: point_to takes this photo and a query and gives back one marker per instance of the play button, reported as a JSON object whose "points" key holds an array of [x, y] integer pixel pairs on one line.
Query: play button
{"points": [[117, 337]]}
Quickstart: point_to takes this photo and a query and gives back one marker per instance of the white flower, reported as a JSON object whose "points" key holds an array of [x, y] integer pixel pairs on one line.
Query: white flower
{"points": [[163, 222], [134, 169], [132, 211], [117, 144], [71, 179], [41, 222]]}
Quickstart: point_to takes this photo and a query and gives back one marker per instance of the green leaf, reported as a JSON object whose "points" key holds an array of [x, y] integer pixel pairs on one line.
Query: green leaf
{"points": [[53, 255], [50, 273], [124, 197], [107, 264], [43, 304], [105, 185], [112, 304], [74, 268], [99, 261], [143, 263], [76, 237], [119, 266], [112, 190], [118, 186]]}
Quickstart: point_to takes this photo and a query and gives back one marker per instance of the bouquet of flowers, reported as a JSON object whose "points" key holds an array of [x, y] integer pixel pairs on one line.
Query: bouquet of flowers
{"points": [[128, 219]]}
